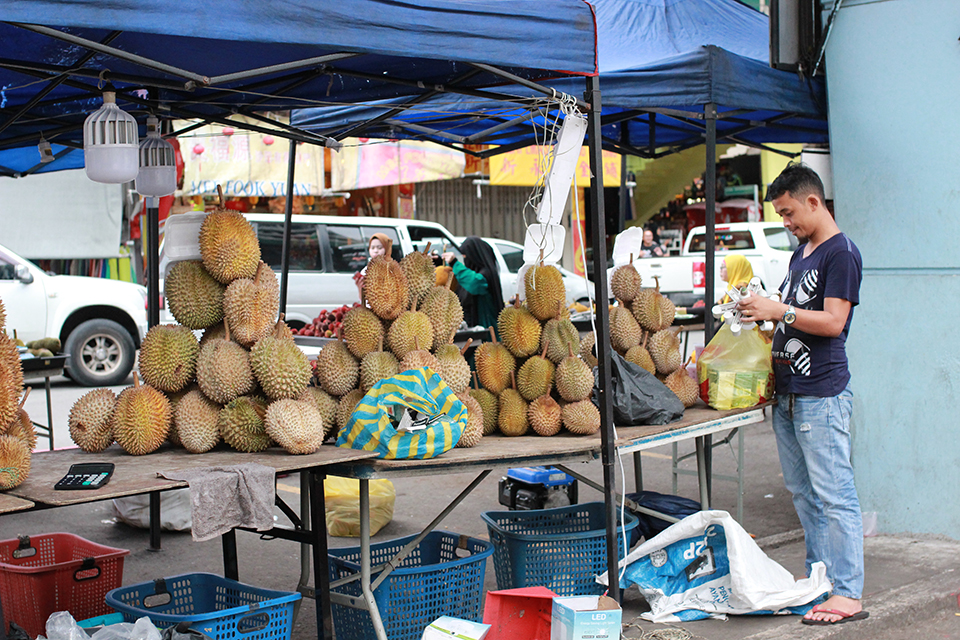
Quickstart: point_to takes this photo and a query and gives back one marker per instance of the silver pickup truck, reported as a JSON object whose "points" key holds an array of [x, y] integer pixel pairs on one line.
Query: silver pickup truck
{"points": [[767, 245]]}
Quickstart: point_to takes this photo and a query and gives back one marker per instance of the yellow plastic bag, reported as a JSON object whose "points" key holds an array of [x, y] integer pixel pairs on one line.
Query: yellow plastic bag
{"points": [[342, 503], [735, 371]]}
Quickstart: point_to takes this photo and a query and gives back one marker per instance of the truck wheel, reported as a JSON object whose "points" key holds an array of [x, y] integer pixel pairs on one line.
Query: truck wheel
{"points": [[101, 353]]}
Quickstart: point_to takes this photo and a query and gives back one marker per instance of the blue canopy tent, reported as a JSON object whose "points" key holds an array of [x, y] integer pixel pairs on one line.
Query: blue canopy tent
{"points": [[205, 61]]}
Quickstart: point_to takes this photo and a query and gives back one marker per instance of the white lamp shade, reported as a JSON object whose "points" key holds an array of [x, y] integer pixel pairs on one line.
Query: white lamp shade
{"points": [[156, 181], [158, 170], [110, 143]]}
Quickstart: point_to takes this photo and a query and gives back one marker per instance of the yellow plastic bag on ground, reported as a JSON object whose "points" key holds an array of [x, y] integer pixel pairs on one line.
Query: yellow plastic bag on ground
{"points": [[342, 504], [735, 371]]}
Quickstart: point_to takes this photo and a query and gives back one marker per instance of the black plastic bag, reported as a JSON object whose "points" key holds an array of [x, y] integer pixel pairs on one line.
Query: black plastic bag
{"points": [[182, 631], [638, 397], [675, 506]]}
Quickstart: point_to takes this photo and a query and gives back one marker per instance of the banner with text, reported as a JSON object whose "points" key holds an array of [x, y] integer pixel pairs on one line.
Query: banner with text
{"points": [[363, 163], [524, 167]]}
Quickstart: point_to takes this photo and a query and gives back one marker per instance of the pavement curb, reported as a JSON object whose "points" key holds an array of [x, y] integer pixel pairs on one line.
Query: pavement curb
{"points": [[778, 540]]}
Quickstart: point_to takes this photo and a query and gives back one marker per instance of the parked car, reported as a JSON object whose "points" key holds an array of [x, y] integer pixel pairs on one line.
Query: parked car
{"points": [[99, 322], [510, 258], [325, 253], [767, 245]]}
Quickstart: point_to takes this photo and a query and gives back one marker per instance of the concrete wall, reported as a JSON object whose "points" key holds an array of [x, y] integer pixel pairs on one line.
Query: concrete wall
{"points": [[893, 72]]}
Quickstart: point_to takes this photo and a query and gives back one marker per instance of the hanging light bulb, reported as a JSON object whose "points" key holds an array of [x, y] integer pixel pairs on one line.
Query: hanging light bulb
{"points": [[46, 151], [158, 169], [110, 143]]}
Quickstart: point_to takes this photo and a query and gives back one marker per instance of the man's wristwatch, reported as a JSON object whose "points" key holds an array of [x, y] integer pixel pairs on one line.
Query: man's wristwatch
{"points": [[790, 315]]}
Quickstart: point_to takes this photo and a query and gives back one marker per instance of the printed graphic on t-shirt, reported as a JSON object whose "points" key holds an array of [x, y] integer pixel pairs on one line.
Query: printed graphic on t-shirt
{"points": [[807, 287], [797, 355]]}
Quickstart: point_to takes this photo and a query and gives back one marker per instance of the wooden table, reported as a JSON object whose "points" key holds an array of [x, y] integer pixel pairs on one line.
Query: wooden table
{"points": [[136, 475], [498, 451]]}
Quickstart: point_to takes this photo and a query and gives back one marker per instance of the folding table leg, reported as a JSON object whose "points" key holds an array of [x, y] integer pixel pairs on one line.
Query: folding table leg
{"points": [[318, 527], [702, 471], [371, 602], [228, 541]]}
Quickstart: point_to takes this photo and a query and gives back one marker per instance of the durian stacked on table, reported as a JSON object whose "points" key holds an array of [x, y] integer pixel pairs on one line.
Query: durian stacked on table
{"points": [[535, 380], [245, 381], [641, 331], [17, 437]]}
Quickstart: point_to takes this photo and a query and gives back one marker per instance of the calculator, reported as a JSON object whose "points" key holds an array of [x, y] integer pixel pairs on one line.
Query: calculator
{"points": [[88, 475]]}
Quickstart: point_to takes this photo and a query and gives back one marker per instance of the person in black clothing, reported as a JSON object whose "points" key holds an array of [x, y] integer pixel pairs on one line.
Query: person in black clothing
{"points": [[479, 278]]}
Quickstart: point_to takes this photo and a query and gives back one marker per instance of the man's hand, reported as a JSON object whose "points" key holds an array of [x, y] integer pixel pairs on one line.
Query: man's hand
{"points": [[758, 309]]}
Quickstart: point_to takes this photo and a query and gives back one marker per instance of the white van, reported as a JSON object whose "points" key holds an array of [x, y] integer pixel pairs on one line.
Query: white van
{"points": [[325, 253]]}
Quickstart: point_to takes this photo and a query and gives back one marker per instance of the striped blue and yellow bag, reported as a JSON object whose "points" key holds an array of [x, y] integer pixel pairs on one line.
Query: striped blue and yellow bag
{"points": [[373, 425]]}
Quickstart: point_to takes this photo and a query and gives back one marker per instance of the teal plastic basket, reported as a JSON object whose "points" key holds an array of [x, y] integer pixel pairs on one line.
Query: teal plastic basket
{"points": [[563, 549], [218, 607], [443, 576]]}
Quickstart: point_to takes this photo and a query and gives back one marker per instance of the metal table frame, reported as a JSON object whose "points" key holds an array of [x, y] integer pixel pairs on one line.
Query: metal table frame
{"points": [[628, 442]]}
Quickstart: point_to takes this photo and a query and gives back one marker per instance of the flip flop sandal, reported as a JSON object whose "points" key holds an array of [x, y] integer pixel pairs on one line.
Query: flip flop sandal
{"points": [[844, 617]]}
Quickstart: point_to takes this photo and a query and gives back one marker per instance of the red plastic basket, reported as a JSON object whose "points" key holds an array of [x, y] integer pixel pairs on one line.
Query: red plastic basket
{"points": [[42, 574]]}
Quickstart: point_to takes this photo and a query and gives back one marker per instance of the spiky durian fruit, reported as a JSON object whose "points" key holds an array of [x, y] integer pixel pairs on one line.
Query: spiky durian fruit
{"points": [[582, 418], [337, 369], [488, 403], [654, 312], [282, 370], [241, 424], [194, 297], [639, 356], [11, 379], [174, 399], [544, 415], [3, 316], [664, 348], [418, 359], [224, 371], [512, 415], [519, 330], [586, 349], [216, 331], [683, 386], [454, 369], [574, 379], [196, 420], [535, 377], [346, 406], [494, 364], [544, 290], [625, 333], [445, 311], [250, 305], [89, 420], [228, 245], [21, 426], [473, 432], [625, 282], [362, 331], [296, 426], [385, 287], [14, 462], [419, 269], [408, 330], [141, 418], [562, 336], [168, 357], [376, 366], [325, 403]]}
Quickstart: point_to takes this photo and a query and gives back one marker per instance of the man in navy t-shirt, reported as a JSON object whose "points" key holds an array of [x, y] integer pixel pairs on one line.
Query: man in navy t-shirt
{"points": [[812, 417]]}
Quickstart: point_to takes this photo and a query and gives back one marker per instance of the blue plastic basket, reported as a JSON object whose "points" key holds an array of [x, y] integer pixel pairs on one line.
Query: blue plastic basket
{"points": [[220, 608], [443, 576], [562, 549]]}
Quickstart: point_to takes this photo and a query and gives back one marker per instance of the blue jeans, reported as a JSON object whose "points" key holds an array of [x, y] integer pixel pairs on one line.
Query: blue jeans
{"points": [[813, 440]]}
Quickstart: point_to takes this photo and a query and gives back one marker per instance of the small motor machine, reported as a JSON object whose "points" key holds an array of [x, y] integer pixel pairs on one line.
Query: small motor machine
{"points": [[528, 488]]}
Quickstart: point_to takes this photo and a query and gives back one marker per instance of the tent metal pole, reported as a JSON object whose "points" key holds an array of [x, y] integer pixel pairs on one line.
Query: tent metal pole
{"points": [[652, 133], [153, 319], [539, 88], [599, 238], [624, 203], [710, 189], [287, 224], [286, 66], [111, 51]]}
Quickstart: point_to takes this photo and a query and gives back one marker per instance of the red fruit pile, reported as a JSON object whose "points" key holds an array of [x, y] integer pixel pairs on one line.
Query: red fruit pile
{"points": [[326, 324]]}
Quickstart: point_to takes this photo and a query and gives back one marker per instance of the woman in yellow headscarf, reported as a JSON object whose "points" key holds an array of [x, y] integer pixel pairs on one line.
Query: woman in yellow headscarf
{"points": [[736, 271]]}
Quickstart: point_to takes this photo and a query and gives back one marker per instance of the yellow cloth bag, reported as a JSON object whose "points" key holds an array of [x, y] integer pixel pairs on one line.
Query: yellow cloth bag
{"points": [[735, 371], [341, 498]]}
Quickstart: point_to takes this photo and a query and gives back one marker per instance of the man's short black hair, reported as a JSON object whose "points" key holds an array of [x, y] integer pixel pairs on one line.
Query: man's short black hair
{"points": [[799, 181]]}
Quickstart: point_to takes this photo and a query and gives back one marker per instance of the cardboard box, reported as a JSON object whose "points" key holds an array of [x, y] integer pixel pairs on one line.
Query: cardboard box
{"points": [[447, 628], [519, 614], [585, 617]]}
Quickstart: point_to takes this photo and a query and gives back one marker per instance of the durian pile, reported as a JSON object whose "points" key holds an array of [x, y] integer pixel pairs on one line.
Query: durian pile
{"points": [[536, 379], [640, 331], [17, 437], [245, 381]]}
